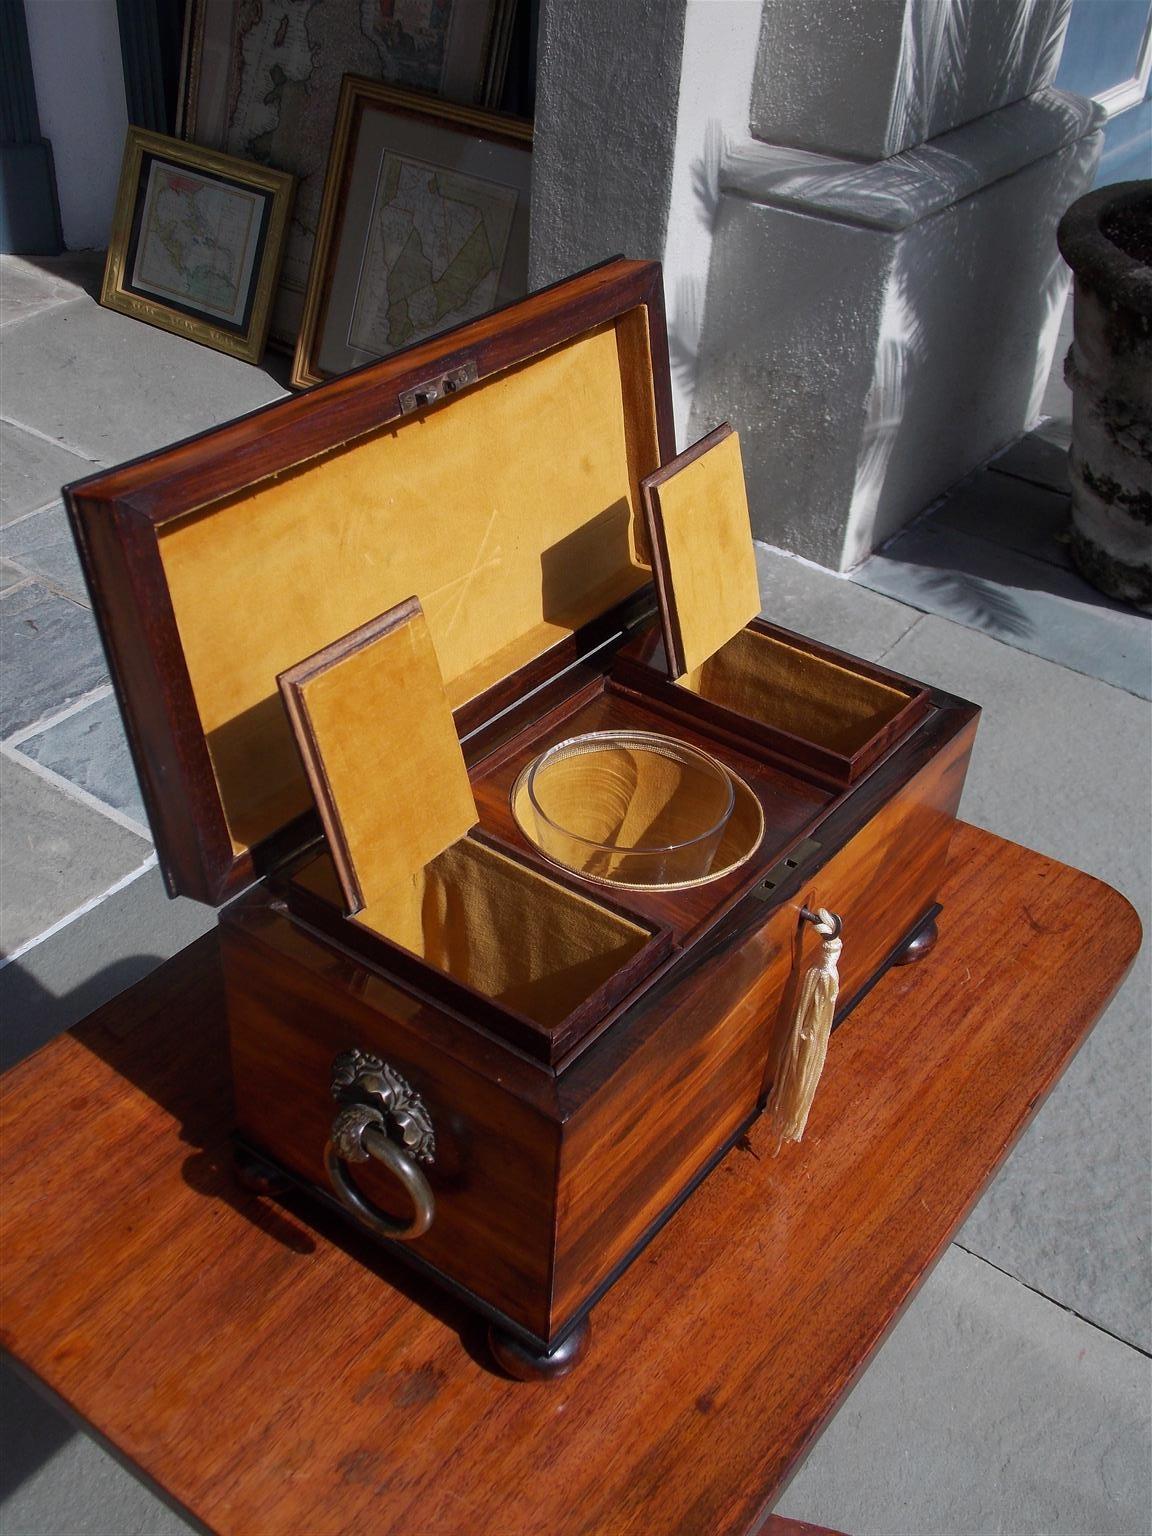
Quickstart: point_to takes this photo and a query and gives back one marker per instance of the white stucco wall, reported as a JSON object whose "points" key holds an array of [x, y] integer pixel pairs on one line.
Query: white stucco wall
{"points": [[868, 78], [75, 46], [720, 44]]}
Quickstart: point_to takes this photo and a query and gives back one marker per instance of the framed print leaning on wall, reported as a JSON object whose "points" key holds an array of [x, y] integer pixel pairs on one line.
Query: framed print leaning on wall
{"points": [[424, 225], [196, 243], [261, 79]]}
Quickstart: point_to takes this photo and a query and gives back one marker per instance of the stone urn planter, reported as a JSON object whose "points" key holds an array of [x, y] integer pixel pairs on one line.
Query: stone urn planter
{"points": [[1106, 238]]}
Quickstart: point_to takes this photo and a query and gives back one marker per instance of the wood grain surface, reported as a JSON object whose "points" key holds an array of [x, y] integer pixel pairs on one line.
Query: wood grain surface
{"points": [[277, 1375], [546, 1191]]}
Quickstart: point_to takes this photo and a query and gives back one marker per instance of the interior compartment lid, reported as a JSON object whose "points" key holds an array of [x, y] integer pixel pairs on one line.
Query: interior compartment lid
{"points": [[702, 551], [377, 740], [493, 471]]}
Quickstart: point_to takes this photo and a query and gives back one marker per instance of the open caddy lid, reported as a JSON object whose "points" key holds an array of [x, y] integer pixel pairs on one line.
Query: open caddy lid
{"points": [[372, 770], [493, 471]]}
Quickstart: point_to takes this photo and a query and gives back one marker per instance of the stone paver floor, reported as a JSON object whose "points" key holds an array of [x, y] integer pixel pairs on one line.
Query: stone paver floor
{"points": [[1014, 1395]]}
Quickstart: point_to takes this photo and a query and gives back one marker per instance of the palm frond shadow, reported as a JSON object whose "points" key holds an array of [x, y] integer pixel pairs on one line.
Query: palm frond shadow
{"points": [[684, 326], [981, 603], [706, 174]]}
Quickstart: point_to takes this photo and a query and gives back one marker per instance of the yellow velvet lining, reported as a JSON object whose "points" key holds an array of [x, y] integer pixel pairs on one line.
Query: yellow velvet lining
{"points": [[786, 686], [505, 930], [381, 727], [508, 511], [710, 574]]}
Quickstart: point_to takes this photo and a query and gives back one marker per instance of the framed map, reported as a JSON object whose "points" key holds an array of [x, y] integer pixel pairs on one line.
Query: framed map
{"points": [[196, 243], [424, 225], [262, 80], [436, 247]]}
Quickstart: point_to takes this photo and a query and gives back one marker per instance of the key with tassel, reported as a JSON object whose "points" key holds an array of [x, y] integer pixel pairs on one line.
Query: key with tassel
{"points": [[802, 1058]]}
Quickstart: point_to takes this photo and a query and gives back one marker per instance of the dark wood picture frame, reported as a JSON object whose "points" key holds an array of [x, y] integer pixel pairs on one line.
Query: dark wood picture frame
{"points": [[358, 96]]}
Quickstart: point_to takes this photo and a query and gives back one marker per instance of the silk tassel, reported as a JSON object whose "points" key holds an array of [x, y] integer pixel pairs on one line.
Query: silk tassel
{"points": [[802, 1059]]}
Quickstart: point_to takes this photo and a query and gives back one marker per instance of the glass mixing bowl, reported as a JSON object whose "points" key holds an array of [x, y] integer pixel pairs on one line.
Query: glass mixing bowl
{"points": [[627, 807]]}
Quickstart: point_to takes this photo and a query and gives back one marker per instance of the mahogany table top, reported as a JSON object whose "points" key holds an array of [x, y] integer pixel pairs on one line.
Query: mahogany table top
{"points": [[273, 1374]]}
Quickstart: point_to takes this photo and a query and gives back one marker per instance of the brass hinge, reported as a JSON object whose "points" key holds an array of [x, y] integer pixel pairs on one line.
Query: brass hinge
{"points": [[801, 855], [433, 389]]}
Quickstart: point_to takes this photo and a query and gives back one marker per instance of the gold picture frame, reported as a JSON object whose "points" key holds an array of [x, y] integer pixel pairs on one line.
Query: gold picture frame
{"points": [[479, 161], [196, 243]]}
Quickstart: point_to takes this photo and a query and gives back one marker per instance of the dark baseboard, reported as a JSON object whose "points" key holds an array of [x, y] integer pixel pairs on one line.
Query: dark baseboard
{"points": [[29, 216]]}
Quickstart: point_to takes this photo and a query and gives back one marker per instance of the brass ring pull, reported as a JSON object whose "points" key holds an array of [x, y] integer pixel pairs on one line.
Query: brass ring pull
{"points": [[358, 1133]]}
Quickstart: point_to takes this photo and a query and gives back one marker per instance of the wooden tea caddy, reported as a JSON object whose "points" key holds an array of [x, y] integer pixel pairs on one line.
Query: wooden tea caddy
{"points": [[535, 1092]]}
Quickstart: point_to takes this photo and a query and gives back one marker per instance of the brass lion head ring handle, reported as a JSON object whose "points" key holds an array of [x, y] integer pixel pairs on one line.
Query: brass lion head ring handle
{"points": [[385, 1120], [358, 1133]]}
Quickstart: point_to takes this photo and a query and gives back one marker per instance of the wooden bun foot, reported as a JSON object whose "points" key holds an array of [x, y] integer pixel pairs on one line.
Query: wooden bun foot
{"points": [[526, 1364], [256, 1176], [923, 944]]}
